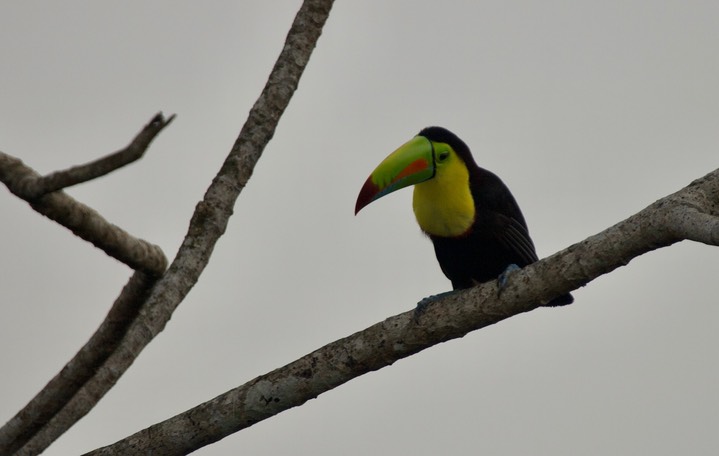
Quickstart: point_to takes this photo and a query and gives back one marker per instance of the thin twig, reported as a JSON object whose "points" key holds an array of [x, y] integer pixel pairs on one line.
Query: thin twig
{"points": [[82, 220], [82, 173], [61, 389], [402, 335], [207, 224]]}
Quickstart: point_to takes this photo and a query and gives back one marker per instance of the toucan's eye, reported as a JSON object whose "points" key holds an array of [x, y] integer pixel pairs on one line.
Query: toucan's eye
{"points": [[443, 155]]}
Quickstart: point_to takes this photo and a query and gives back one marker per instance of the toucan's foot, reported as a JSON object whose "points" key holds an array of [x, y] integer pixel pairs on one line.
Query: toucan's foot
{"points": [[425, 302], [504, 276]]}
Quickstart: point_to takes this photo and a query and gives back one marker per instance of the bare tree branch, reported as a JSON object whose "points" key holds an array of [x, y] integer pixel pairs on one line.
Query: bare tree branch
{"points": [[33, 188], [82, 220], [206, 226], [450, 317], [63, 387]]}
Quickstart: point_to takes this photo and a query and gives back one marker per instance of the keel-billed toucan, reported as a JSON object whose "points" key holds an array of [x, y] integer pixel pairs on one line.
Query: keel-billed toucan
{"points": [[469, 214]]}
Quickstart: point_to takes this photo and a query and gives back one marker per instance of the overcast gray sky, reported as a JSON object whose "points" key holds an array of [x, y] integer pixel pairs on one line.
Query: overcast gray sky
{"points": [[589, 111]]}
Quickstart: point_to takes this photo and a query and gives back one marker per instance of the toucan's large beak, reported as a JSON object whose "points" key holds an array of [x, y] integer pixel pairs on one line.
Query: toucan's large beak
{"points": [[411, 164]]}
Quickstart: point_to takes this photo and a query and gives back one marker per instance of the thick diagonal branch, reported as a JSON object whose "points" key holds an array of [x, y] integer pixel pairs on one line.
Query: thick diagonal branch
{"points": [[448, 318], [207, 224]]}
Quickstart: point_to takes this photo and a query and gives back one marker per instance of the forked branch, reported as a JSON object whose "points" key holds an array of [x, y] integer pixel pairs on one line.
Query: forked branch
{"points": [[44, 195]]}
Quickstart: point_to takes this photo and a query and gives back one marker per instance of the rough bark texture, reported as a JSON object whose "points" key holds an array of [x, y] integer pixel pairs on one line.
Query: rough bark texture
{"points": [[208, 223], [692, 213]]}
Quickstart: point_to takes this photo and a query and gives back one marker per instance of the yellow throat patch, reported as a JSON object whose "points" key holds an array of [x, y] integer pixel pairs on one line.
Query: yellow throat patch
{"points": [[444, 205]]}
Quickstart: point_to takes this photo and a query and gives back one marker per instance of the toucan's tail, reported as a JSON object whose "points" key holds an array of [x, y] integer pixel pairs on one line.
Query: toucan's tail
{"points": [[561, 300]]}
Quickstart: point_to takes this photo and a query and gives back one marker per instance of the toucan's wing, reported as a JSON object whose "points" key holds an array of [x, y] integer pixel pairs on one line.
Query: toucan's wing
{"points": [[513, 236], [501, 217]]}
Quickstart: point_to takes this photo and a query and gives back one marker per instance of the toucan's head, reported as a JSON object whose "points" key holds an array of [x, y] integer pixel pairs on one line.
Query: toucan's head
{"points": [[434, 154]]}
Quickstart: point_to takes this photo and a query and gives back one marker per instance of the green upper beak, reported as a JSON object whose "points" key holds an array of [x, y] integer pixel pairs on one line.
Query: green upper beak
{"points": [[411, 164]]}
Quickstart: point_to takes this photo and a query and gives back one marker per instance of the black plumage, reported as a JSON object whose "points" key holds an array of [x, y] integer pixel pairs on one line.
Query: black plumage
{"points": [[498, 237]]}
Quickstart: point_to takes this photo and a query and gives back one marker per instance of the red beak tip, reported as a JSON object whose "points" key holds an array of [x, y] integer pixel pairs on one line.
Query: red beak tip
{"points": [[369, 190]]}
